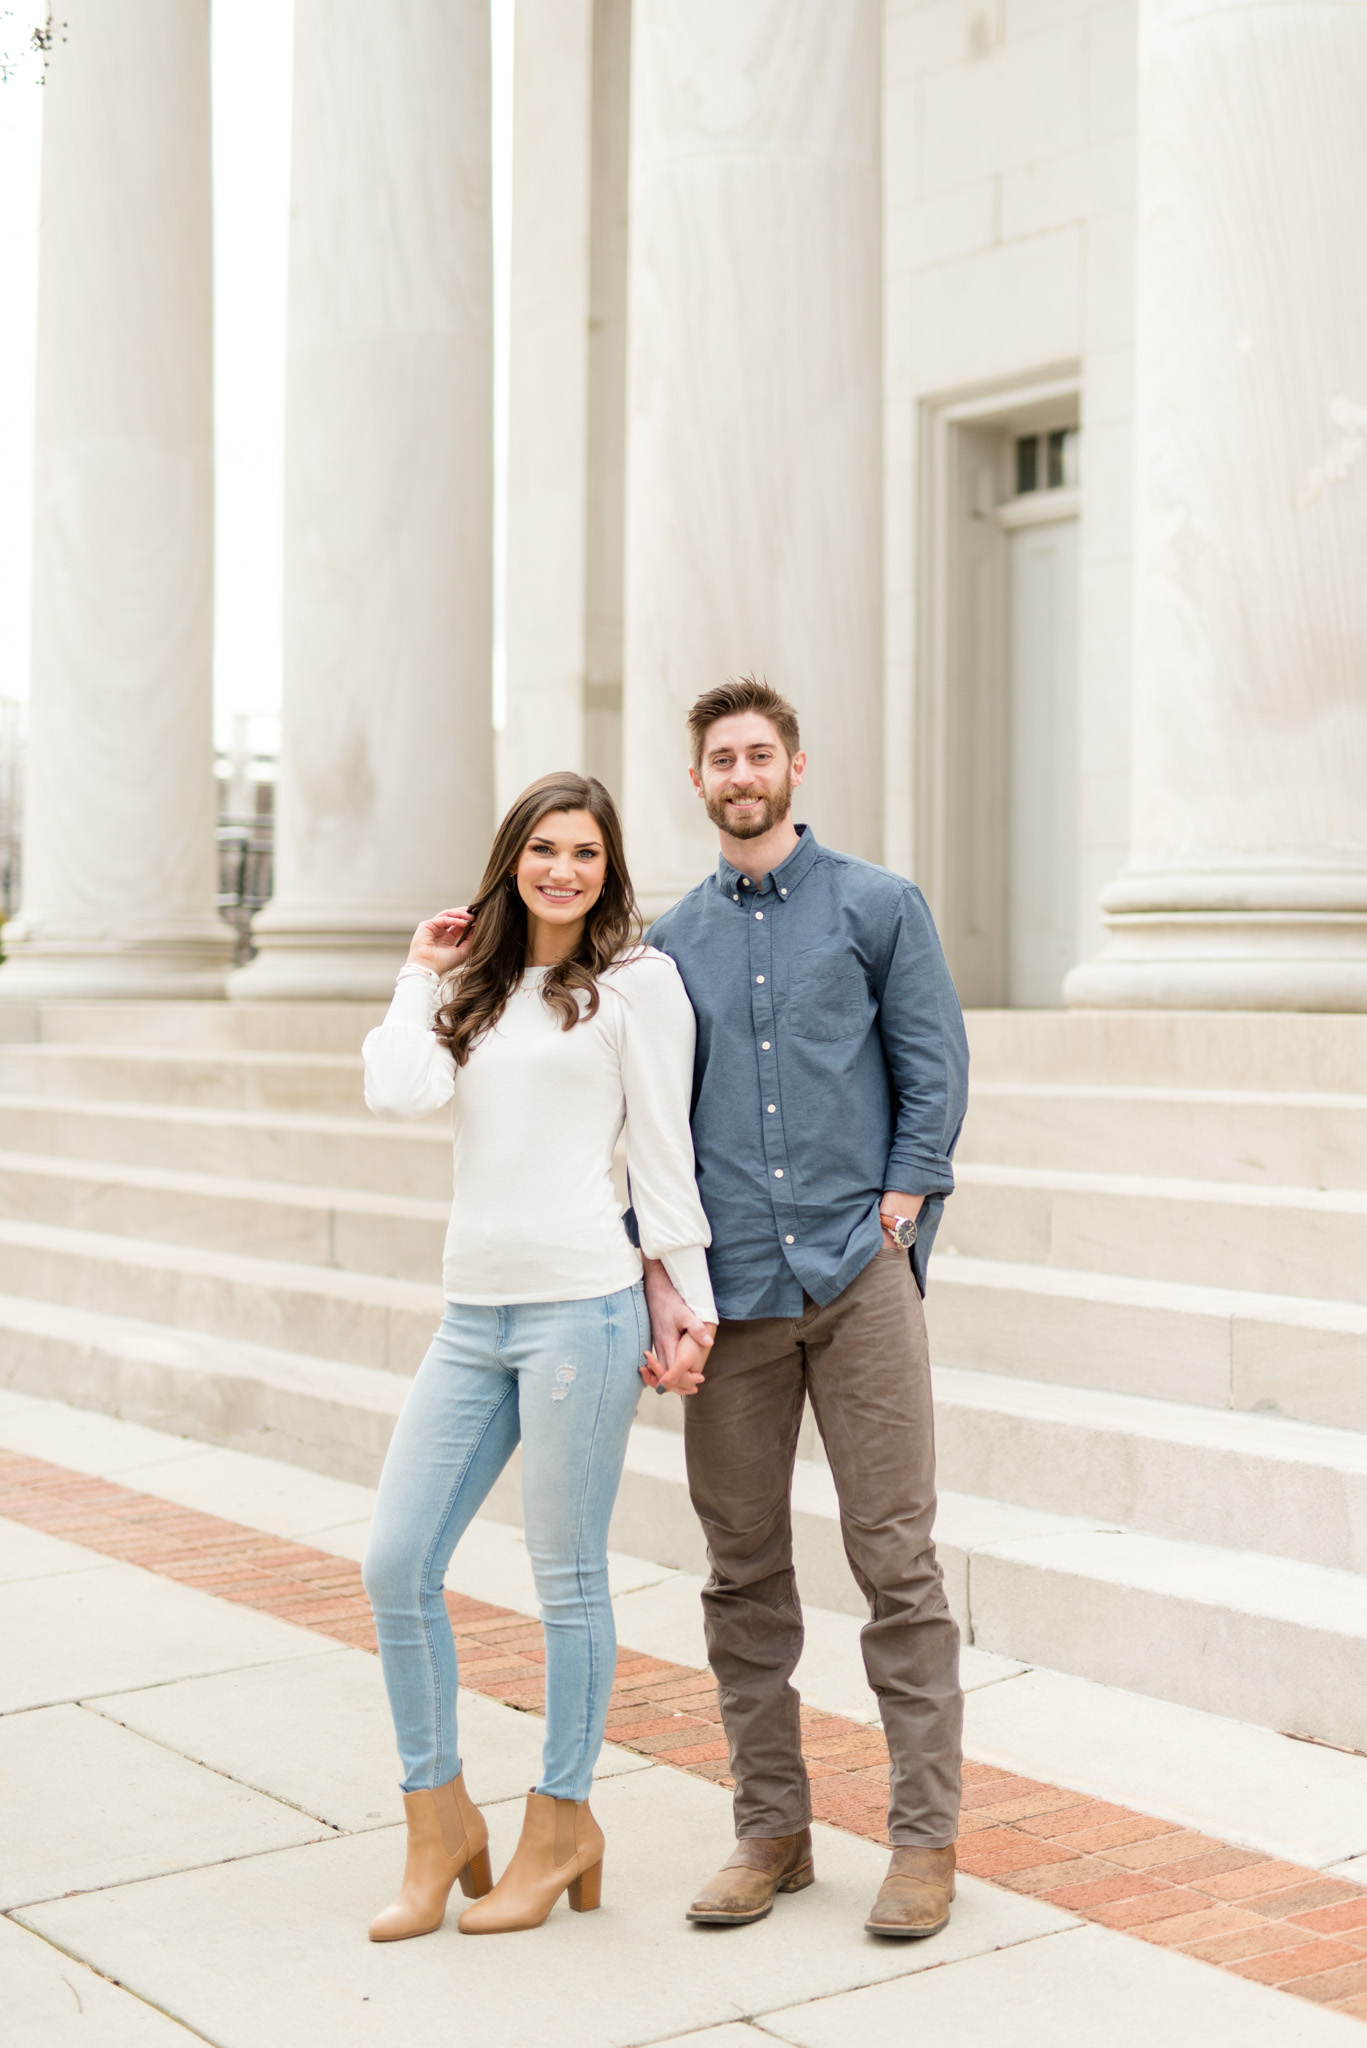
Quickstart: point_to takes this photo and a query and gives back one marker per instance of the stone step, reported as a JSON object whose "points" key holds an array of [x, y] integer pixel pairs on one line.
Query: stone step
{"points": [[1260, 1638], [323, 1415], [397, 1236], [323, 1027], [360, 1319], [1277, 1140], [1281, 1240], [1199, 1475], [1262, 1049], [357, 1152], [330, 1084], [1162, 1339], [1188, 1049]]}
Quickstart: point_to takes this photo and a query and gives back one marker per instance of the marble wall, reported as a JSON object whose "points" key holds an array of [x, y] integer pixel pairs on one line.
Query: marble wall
{"points": [[753, 403], [1009, 166]]}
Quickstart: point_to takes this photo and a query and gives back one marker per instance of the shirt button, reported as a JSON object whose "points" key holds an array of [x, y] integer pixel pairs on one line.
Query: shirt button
{"points": [[759, 977], [764, 1045], [778, 1173], [771, 1109], [745, 881], [784, 892], [735, 899], [788, 1239], [760, 915]]}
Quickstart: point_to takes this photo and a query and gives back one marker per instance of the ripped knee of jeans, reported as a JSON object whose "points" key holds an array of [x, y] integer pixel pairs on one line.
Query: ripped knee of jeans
{"points": [[564, 1377]]}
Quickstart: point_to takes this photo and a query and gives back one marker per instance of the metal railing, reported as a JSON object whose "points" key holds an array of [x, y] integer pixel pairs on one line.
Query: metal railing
{"points": [[246, 857], [12, 729], [245, 831]]}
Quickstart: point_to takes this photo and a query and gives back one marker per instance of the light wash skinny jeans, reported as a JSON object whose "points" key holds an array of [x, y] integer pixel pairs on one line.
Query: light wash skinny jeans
{"points": [[561, 1376]]}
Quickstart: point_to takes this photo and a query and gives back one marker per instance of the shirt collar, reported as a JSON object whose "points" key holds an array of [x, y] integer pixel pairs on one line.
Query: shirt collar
{"points": [[782, 879]]}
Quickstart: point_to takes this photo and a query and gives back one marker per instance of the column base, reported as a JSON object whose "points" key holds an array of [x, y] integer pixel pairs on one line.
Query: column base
{"points": [[1239, 960], [301, 961], [1271, 934], [175, 969]]}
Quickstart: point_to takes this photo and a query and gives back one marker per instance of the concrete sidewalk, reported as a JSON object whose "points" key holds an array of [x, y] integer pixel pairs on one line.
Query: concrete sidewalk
{"points": [[199, 1805]]}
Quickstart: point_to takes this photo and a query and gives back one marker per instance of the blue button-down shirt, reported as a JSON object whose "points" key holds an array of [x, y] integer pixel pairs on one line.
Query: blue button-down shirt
{"points": [[831, 1065]]}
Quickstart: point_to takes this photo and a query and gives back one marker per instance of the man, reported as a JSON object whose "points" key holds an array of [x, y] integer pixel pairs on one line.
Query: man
{"points": [[829, 1087]]}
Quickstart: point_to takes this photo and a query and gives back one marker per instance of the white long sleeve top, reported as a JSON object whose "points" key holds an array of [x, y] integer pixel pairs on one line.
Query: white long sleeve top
{"points": [[537, 1112]]}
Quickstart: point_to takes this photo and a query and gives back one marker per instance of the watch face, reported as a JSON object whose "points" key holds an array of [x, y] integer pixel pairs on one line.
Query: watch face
{"points": [[903, 1232]]}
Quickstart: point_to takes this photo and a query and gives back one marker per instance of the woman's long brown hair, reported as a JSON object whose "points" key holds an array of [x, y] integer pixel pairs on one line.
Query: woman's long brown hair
{"points": [[475, 994]]}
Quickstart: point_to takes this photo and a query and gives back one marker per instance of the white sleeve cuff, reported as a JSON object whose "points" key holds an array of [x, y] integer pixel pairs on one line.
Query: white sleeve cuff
{"points": [[415, 999], [687, 1268]]}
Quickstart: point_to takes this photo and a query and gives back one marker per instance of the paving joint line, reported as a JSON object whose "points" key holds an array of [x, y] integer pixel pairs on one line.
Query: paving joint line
{"points": [[117, 1984], [1236, 1909]]}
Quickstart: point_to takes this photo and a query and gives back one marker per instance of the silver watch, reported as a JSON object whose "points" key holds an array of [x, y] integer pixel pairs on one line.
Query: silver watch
{"points": [[901, 1229]]}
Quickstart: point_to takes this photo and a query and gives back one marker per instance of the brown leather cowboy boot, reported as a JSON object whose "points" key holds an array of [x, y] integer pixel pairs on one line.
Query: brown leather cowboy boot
{"points": [[743, 1889], [914, 1901]]}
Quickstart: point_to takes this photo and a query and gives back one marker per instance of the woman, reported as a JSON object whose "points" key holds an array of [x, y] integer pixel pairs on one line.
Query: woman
{"points": [[546, 1023]]}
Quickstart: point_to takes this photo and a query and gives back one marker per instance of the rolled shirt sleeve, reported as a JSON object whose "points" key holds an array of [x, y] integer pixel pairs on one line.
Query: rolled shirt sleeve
{"points": [[408, 1072], [926, 1047], [658, 1035]]}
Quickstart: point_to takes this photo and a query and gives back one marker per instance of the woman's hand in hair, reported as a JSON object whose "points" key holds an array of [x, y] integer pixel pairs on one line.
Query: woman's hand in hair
{"points": [[686, 1374], [439, 941]]}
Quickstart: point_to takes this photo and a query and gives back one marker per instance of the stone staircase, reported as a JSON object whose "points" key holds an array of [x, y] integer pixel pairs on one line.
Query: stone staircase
{"points": [[1148, 1311]]}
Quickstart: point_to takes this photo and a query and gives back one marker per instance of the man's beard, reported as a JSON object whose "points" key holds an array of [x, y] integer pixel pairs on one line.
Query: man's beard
{"points": [[773, 809]]}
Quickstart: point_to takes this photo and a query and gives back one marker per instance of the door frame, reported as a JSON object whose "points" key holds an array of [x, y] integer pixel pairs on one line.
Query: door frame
{"points": [[960, 756]]}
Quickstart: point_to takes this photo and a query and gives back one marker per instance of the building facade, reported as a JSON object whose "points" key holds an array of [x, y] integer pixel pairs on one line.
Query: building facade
{"points": [[991, 374]]}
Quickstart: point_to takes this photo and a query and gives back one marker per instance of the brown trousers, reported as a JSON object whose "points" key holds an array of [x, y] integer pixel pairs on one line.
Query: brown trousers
{"points": [[864, 1363]]}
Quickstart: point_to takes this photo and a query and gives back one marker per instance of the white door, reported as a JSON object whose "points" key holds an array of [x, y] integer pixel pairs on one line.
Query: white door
{"points": [[1041, 877]]}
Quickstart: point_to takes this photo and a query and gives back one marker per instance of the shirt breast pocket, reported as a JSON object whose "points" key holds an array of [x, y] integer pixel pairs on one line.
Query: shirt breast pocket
{"points": [[828, 996]]}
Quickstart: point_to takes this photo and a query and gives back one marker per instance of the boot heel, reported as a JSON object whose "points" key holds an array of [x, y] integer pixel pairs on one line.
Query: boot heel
{"points": [[477, 1878], [586, 1890], [799, 1879]]}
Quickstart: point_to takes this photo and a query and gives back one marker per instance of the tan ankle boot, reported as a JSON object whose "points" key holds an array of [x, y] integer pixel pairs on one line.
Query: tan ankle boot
{"points": [[560, 1849], [447, 1839]]}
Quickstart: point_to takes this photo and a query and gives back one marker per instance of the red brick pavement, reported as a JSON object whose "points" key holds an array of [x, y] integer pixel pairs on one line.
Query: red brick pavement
{"points": [[1233, 1908]]}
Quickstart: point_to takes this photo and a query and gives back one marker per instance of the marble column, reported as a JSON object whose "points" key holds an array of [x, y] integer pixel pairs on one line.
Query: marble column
{"points": [[119, 855], [567, 400], [385, 793], [754, 404], [1247, 882]]}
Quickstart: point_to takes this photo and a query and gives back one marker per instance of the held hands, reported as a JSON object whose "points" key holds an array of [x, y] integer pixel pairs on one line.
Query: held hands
{"points": [[685, 1375], [440, 941], [681, 1342]]}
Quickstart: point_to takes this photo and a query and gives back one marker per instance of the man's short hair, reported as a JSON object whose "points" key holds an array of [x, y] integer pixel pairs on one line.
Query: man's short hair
{"points": [[742, 693]]}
